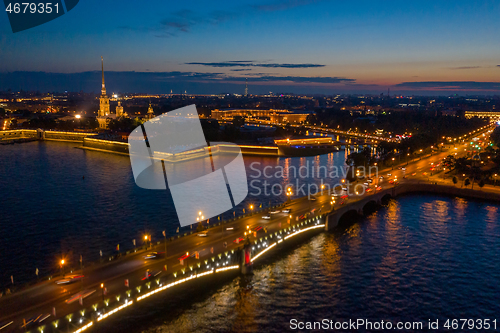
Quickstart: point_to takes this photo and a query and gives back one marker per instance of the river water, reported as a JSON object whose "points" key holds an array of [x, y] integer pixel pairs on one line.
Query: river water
{"points": [[421, 258], [57, 200]]}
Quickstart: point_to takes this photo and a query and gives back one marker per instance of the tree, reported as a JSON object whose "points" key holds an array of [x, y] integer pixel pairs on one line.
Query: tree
{"points": [[200, 227], [466, 182], [455, 180], [481, 183]]}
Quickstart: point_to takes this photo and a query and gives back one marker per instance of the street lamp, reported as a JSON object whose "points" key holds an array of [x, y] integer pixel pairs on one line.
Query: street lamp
{"points": [[62, 267], [393, 163], [102, 291]]}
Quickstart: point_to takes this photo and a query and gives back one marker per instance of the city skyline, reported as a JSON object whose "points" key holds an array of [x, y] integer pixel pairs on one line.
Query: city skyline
{"points": [[281, 46]]}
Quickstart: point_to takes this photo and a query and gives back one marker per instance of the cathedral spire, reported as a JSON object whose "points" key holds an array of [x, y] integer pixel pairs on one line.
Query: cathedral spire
{"points": [[103, 89]]}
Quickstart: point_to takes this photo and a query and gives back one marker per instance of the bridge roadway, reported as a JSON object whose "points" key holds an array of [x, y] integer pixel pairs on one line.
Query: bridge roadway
{"points": [[41, 298]]}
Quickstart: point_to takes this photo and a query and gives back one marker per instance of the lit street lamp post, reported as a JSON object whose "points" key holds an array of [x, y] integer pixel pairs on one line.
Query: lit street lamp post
{"points": [[62, 267], [81, 268], [165, 236]]}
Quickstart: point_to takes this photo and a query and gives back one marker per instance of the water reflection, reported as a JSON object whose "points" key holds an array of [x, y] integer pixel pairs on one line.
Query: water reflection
{"points": [[398, 264]]}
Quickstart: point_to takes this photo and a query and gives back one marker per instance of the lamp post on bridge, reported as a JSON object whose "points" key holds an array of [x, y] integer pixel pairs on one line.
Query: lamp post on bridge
{"points": [[165, 236], [62, 267]]}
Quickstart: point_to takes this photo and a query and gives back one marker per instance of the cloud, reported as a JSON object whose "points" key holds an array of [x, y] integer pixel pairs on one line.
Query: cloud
{"points": [[160, 82], [183, 21], [263, 78], [451, 85], [252, 64], [305, 79], [283, 5], [466, 67], [240, 69]]}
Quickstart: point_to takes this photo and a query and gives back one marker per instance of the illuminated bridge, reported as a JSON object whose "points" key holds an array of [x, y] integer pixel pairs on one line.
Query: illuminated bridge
{"points": [[222, 255]]}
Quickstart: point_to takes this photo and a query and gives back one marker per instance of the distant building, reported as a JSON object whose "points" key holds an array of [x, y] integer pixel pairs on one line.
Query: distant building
{"points": [[273, 116], [150, 114], [449, 113], [483, 114], [119, 110], [103, 115]]}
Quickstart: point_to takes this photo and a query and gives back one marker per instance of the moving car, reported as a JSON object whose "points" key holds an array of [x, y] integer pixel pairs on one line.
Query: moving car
{"points": [[238, 240], [312, 198], [266, 217], [82, 294], [288, 210], [35, 320], [150, 274], [369, 180], [5, 324], [379, 188], [257, 228], [275, 212], [154, 255], [70, 279], [202, 234]]}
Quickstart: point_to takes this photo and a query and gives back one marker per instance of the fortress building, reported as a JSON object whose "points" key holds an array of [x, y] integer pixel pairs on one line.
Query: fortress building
{"points": [[104, 114]]}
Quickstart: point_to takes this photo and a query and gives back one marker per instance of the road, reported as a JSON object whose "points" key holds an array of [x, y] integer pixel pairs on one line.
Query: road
{"points": [[43, 297]]}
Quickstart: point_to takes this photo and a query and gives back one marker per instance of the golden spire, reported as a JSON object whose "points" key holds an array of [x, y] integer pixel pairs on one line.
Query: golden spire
{"points": [[103, 89]]}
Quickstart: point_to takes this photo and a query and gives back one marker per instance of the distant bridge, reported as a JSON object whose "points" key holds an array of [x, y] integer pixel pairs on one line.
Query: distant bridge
{"points": [[366, 204]]}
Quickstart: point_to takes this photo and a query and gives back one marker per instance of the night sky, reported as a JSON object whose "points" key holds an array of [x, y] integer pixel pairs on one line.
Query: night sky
{"points": [[301, 46]]}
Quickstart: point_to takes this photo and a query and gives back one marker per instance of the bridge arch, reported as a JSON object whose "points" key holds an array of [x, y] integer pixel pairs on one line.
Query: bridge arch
{"points": [[349, 217], [370, 207], [385, 199]]}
